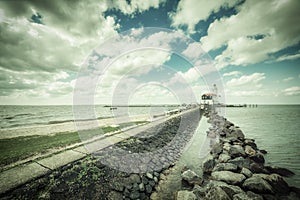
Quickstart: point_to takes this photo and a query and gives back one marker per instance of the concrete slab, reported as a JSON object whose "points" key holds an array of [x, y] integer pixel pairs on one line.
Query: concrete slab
{"points": [[19, 175], [81, 149], [61, 159]]}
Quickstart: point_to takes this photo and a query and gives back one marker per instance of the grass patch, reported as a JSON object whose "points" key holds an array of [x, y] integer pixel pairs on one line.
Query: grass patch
{"points": [[14, 149]]}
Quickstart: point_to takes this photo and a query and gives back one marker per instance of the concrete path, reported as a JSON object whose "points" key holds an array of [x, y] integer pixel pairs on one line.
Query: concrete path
{"points": [[21, 174]]}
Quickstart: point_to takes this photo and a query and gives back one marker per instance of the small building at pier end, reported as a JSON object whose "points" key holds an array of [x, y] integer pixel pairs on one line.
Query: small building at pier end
{"points": [[208, 101]]}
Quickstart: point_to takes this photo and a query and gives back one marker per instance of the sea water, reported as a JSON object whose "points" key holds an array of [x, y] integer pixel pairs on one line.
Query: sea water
{"points": [[21, 116], [275, 128]]}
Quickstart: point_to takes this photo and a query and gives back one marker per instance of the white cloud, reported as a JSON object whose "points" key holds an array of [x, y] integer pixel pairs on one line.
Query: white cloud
{"points": [[288, 79], [288, 57], [255, 32], [194, 50], [233, 73], [292, 91], [38, 59], [190, 12], [246, 79]]}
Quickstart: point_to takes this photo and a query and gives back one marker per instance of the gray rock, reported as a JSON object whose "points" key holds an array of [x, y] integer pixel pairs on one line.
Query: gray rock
{"points": [[246, 172], [199, 191], [151, 183], [185, 195], [191, 177], [257, 168], [278, 184], [257, 184], [254, 196], [213, 183], [228, 177], [226, 146], [241, 162], [225, 167], [134, 195], [236, 151], [142, 187], [134, 178], [241, 196], [249, 150], [149, 175], [236, 132], [148, 189], [208, 163], [231, 190], [258, 158], [224, 157], [217, 149], [216, 193]]}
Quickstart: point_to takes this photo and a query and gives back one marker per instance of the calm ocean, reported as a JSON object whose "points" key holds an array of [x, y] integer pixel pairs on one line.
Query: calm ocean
{"points": [[20, 116], [275, 128]]}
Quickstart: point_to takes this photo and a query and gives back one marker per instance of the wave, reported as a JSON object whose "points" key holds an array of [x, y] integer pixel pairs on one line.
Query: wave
{"points": [[18, 115]]}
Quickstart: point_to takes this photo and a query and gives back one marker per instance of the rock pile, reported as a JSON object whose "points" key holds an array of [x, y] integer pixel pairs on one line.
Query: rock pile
{"points": [[235, 169]]}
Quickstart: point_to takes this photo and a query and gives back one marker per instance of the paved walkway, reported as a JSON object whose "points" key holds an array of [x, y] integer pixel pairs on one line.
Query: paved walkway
{"points": [[23, 173]]}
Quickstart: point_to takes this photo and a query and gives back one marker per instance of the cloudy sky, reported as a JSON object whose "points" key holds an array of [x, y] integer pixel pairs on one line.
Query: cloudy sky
{"points": [[254, 47]]}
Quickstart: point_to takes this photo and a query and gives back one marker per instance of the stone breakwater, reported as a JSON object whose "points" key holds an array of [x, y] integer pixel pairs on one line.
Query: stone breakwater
{"points": [[103, 176], [235, 169]]}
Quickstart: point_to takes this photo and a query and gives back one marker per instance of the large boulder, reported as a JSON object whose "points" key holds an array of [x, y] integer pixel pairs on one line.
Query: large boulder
{"points": [[236, 132], [246, 172], [225, 167], [236, 151], [249, 150], [254, 196], [247, 196], [258, 158], [208, 164], [216, 193], [231, 190], [278, 184], [185, 195], [191, 177], [224, 157], [199, 191], [217, 149], [257, 184], [240, 162], [258, 168], [241, 196], [228, 177]]}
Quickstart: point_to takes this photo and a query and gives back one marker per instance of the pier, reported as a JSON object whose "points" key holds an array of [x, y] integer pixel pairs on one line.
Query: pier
{"points": [[213, 160]]}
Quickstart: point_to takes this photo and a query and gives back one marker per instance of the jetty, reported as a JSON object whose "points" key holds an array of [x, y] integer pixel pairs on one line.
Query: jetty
{"points": [[227, 165]]}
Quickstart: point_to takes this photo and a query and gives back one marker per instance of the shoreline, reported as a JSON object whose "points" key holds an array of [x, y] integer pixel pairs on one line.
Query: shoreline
{"points": [[64, 127]]}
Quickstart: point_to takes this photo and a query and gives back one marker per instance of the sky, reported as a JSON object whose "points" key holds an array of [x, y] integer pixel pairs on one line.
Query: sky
{"points": [[149, 52]]}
